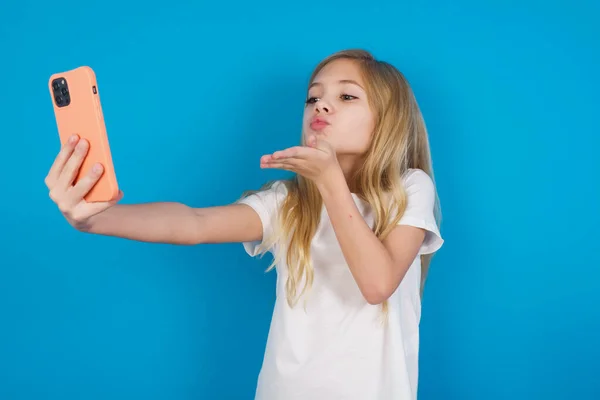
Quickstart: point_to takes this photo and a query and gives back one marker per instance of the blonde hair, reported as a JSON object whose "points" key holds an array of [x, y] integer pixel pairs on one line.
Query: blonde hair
{"points": [[400, 142]]}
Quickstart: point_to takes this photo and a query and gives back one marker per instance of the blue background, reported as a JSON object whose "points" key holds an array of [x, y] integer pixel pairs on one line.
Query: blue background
{"points": [[194, 94]]}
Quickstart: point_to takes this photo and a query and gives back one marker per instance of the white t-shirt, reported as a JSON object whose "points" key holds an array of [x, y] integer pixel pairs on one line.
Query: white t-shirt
{"points": [[332, 345]]}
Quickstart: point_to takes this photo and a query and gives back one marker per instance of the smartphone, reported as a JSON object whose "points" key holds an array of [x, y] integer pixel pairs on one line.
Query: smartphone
{"points": [[77, 109]]}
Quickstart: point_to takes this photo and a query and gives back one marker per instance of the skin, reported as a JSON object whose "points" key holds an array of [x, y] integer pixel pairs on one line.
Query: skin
{"points": [[328, 156]]}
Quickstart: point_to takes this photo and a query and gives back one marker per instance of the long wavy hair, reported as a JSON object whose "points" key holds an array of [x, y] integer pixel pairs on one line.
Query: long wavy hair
{"points": [[399, 142]]}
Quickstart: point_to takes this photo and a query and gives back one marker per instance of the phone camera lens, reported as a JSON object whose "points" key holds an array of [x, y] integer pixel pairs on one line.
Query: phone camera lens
{"points": [[64, 91], [58, 100]]}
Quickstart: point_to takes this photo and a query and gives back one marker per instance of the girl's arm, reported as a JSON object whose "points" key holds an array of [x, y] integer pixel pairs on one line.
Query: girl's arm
{"points": [[377, 266], [173, 223], [176, 223]]}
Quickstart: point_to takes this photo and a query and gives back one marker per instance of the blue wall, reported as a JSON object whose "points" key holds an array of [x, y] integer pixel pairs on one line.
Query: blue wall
{"points": [[193, 95]]}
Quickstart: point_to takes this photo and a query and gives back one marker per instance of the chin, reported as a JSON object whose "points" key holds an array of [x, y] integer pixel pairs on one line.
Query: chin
{"points": [[319, 134]]}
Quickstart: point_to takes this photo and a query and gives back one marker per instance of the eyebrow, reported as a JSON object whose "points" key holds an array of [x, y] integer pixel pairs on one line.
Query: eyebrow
{"points": [[350, 81]]}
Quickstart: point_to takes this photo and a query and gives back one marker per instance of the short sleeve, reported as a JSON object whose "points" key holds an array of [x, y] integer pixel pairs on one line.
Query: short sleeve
{"points": [[419, 211], [266, 204]]}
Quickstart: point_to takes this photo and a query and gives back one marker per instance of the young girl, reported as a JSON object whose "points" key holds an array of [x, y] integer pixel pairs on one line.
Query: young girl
{"points": [[351, 234]]}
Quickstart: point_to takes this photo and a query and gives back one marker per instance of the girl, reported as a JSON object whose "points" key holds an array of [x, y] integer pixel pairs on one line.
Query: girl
{"points": [[351, 234]]}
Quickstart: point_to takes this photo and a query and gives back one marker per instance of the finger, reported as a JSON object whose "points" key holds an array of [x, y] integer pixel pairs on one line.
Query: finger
{"points": [[290, 164], [279, 165], [72, 166], [300, 152], [289, 160], [289, 152], [60, 160], [98, 207], [266, 158], [85, 184], [87, 210]]}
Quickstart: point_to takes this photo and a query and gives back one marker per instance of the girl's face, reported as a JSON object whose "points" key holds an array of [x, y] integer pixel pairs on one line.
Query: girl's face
{"points": [[337, 109]]}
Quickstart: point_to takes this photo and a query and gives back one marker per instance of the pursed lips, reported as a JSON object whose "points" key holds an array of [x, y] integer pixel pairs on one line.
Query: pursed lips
{"points": [[318, 124]]}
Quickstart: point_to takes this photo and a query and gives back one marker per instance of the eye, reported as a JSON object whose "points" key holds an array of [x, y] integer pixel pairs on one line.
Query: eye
{"points": [[347, 97], [311, 100]]}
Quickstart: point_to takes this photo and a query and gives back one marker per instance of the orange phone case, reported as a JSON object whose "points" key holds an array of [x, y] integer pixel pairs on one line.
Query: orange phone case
{"points": [[77, 110]]}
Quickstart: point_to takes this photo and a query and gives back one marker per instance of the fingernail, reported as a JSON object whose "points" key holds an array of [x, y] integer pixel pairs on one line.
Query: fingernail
{"points": [[73, 138], [97, 168]]}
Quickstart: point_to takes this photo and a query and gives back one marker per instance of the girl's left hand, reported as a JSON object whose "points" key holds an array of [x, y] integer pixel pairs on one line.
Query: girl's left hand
{"points": [[316, 161]]}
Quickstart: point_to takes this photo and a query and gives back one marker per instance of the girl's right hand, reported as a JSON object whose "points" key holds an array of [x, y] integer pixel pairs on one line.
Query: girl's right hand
{"points": [[68, 197]]}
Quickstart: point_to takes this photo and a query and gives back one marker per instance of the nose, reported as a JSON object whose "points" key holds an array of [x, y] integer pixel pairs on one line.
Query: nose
{"points": [[322, 106]]}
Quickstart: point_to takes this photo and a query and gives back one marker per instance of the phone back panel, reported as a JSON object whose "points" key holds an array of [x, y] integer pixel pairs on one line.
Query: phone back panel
{"points": [[83, 116]]}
